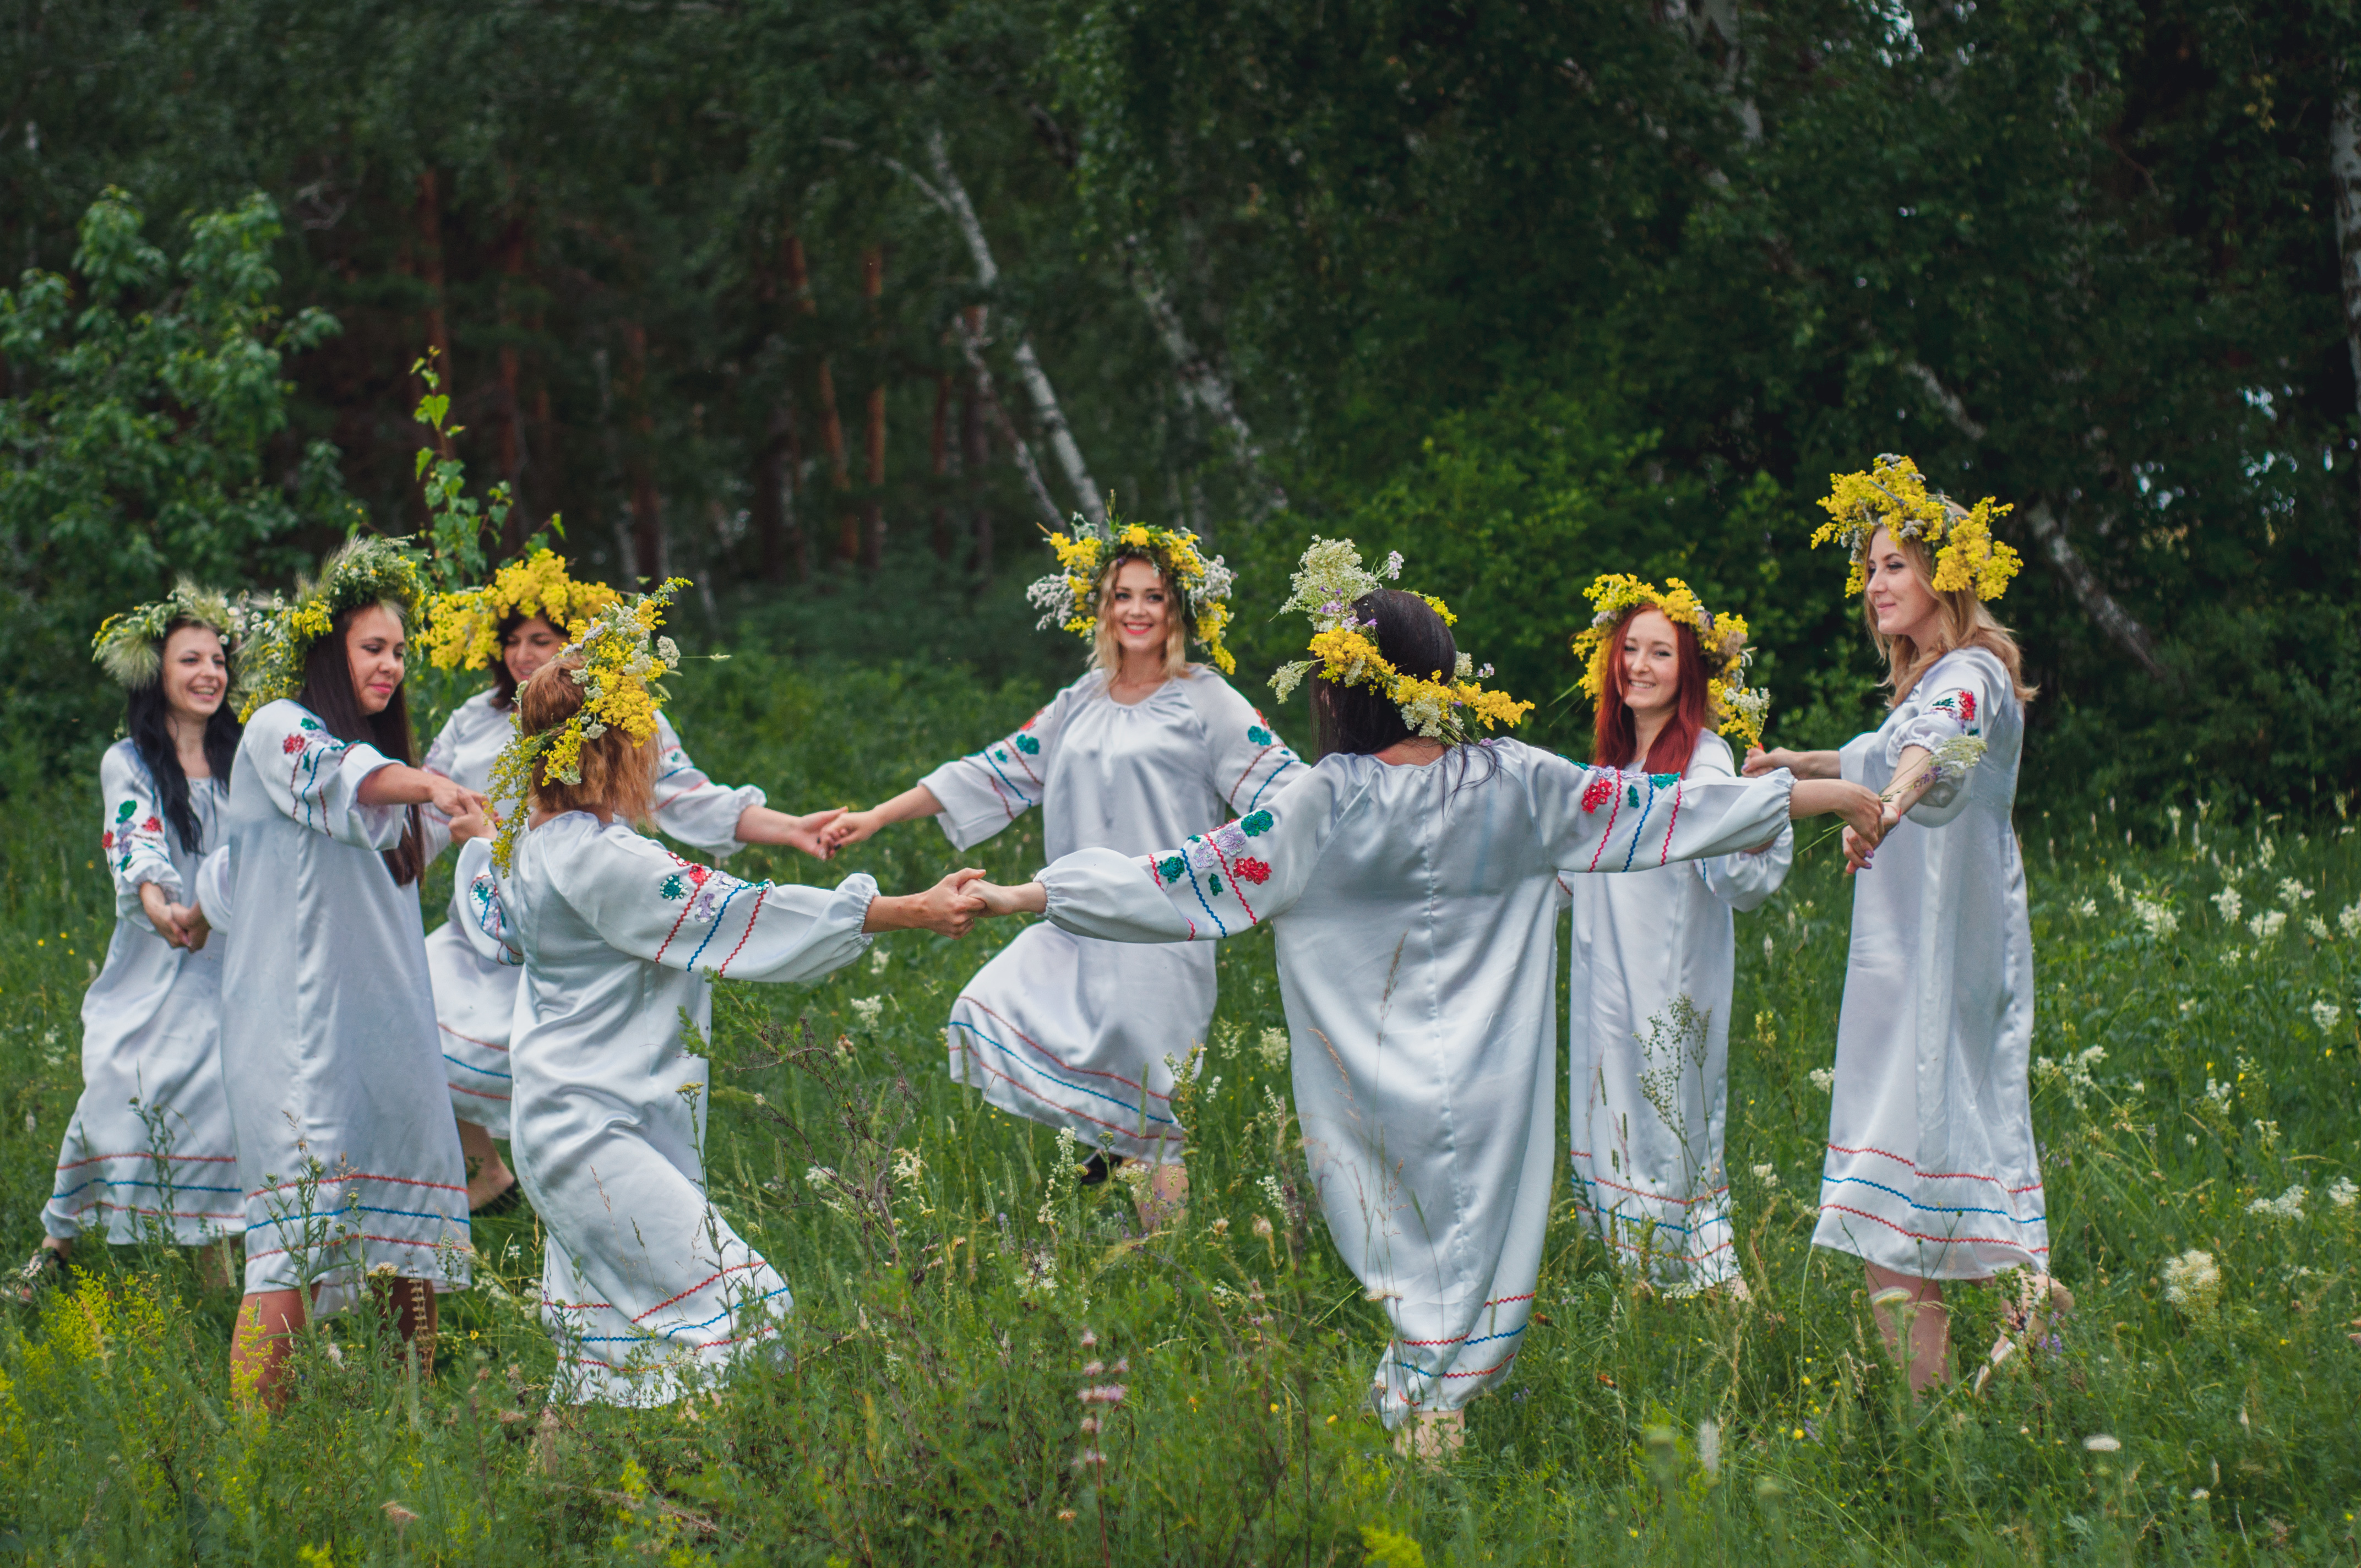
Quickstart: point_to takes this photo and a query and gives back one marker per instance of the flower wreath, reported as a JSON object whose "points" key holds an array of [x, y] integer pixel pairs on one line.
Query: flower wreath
{"points": [[1327, 581], [1069, 596], [366, 570], [623, 661], [462, 630], [1893, 495], [130, 646], [1736, 708]]}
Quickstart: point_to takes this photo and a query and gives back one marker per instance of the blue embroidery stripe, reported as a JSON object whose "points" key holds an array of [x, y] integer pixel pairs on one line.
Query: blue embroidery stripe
{"points": [[716, 928], [177, 1187], [1644, 812], [471, 1067], [340, 1213], [686, 1328], [1932, 1207], [1285, 764], [1132, 1110], [985, 758]]}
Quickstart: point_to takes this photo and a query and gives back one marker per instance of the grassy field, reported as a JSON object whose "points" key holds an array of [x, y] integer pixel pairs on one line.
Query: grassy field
{"points": [[2197, 1095]]}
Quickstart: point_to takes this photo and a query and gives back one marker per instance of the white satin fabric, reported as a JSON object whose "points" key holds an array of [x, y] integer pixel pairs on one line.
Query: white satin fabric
{"points": [[1415, 913], [473, 1000], [1654, 960], [149, 1149], [645, 1286], [1932, 1169], [1053, 1027], [345, 1146]]}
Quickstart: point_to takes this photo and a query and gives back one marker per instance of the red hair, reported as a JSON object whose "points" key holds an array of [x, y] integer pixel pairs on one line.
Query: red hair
{"points": [[1615, 740]]}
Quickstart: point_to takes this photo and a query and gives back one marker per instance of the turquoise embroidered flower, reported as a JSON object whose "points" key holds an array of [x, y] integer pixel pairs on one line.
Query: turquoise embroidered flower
{"points": [[1171, 867], [1029, 746], [673, 887], [1663, 781], [1214, 885], [1632, 793], [1255, 823], [1258, 735]]}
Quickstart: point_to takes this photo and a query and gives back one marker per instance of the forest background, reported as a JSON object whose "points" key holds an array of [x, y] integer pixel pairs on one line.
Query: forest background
{"points": [[829, 307]]}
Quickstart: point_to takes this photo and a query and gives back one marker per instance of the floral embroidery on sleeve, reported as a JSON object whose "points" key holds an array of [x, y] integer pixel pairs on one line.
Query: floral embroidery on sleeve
{"points": [[120, 840], [1961, 705]]}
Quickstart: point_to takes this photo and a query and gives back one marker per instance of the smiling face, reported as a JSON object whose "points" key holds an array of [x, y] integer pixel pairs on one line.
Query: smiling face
{"points": [[529, 645], [1901, 603], [1650, 664], [196, 673], [1138, 610], [375, 646]]}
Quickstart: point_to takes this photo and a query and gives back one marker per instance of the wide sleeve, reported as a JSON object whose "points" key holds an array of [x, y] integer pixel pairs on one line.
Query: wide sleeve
{"points": [[1741, 880], [1952, 701], [986, 791], [1249, 763], [214, 889], [443, 758], [691, 807], [133, 834], [652, 904], [1604, 819], [477, 909], [314, 779], [1215, 885]]}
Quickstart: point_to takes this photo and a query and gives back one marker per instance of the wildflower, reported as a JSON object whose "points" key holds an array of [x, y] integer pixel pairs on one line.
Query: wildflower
{"points": [[868, 1008], [1768, 1175], [1273, 1048], [2341, 1192], [2267, 924], [1709, 1446], [1271, 1189], [2088, 907], [2315, 928], [1221, 1227], [2292, 893], [2288, 1205], [2348, 919], [1108, 1394], [1768, 948], [2071, 1074], [2192, 1284], [1090, 1339], [2156, 916], [2219, 1093], [2115, 886], [402, 1517], [878, 959], [2325, 1014], [2228, 902], [1088, 1458], [1824, 1079], [1262, 1227], [1065, 1515], [2100, 1442]]}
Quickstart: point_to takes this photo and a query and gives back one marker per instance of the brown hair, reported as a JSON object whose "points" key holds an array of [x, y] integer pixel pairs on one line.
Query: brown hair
{"points": [[1967, 623], [327, 691], [618, 774], [1106, 655]]}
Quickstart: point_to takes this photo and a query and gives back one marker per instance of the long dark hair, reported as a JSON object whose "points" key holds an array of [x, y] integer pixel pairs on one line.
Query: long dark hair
{"points": [[504, 685], [1358, 721], [1615, 739], [328, 693], [148, 719]]}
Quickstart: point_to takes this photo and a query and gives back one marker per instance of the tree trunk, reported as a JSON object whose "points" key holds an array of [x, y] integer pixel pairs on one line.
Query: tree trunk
{"points": [[939, 465], [430, 272], [974, 454], [870, 540], [1201, 383], [2345, 173], [2097, 603], [831, 424], [649, 556]]}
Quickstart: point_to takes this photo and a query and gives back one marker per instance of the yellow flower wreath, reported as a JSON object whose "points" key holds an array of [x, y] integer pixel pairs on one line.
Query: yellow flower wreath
{"points": [[1893, 495], [1736, 708]]}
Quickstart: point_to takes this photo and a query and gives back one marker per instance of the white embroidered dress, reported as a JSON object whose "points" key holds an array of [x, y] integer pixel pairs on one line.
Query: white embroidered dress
{"points": [[473, 1000], [1415, 910], [150, 1147], [346, 1146], [1063, 1029], [645, 1286], [1654, 959], [1931, 1167]]}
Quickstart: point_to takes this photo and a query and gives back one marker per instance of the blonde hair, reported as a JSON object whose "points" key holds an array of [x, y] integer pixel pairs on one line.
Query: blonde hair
{"points": [[618, 774], [1967, 623], [1106, 654]]}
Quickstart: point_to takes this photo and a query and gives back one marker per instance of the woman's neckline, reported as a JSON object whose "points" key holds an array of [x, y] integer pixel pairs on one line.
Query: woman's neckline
{"points": [[1148, 696]]}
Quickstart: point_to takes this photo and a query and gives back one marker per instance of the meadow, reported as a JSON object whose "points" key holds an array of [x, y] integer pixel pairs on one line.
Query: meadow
{"points": [[956, 1291]]}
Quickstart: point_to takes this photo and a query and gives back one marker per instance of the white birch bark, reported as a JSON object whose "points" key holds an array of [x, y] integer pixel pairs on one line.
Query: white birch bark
{"points": [[972, 348], [2049, 532], [1201, 383]]}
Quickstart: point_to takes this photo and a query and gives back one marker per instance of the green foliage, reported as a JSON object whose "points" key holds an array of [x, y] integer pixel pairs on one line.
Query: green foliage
{"points": [[147, 408], [928, 1411]]}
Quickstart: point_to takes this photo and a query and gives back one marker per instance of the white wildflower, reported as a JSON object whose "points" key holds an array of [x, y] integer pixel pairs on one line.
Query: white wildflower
{"points": [[2192, 1284], [2088, 907], [2071, 1074], [2155, 915], [1271, 1191], [1273, 1048], [868, 1009], [2115, 886], [2288, 1205], [2293, 893], [1709, 1446], [2219, 1093], [2266, 851], [1824, 1079], [2268, 924], [1956, 758], [2348, 919], [2315, 928], [878, 960], [1768, 1175], [2228, 902], [2325, 1014], [2341, 1192], [1768, 948], [2100, 1442]]}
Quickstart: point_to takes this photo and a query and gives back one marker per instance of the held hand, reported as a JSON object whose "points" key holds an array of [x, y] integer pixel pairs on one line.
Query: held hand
{"points": [[950, 905], [477, 824], [1760, 761], [193, 925], [999, 900], [811, 833], [162, 914], [451, 800], [850, 827]]}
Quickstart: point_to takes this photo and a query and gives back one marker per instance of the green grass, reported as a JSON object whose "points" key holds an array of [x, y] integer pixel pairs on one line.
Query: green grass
{"points": [[929, 1411]]}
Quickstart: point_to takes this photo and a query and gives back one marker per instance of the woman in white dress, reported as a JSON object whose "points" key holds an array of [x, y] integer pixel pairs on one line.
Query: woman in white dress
{"points": [[346, 1149], [1412, 879], [1145, 749], [510, 628], [1932, 1172], [645, 1286], [1655, 953], [149, 1150]]}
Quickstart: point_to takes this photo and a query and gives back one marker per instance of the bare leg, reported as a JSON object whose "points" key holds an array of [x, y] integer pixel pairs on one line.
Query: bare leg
{"points": [[267, 1321], [217, 1264], [416, 1316], [489, 1175], [1160, 1193], [1432, 1436], [1917, 1329]]}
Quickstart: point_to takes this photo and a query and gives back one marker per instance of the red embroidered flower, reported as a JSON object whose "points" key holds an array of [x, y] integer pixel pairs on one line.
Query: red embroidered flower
{"points": [[153, 825], [1600, 790], [1967, 707], [1253, 871], [292, 745], [697, 874], [106, 839]]}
